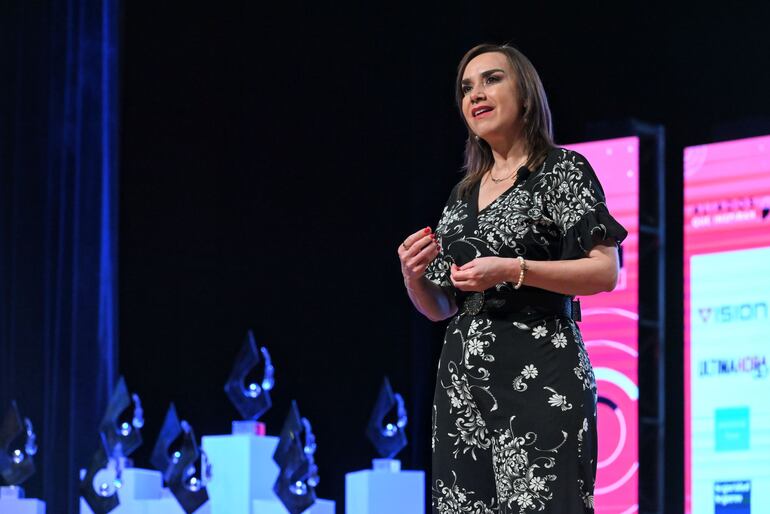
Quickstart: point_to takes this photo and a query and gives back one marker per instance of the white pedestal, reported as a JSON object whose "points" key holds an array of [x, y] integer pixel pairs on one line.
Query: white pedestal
{"points": [[143, 493], [276, 507], [242, 470], [385, 490], [140, 484], [21, 506], [12, 501], [243, 473]]}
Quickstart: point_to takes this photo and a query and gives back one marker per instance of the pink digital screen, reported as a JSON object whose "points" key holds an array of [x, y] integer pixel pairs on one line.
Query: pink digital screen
{"points": [[726, 321], [610, 331]]}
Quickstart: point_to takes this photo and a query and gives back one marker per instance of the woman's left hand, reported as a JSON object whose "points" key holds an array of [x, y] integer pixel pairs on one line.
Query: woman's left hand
{"points": [[483, 273]]}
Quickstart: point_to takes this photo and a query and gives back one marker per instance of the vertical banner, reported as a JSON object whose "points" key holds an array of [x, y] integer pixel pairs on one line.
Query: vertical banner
{"points": [[610, 331], [727, 328]]}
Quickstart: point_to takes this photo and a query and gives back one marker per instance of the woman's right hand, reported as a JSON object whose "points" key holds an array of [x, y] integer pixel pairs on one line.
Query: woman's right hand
{"points": [[416, 252]]}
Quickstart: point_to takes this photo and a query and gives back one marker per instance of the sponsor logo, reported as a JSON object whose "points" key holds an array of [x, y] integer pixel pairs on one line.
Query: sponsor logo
{"points": [[732, 429], [755, 365], [729, 211], [730, 205], [732, 497], [733, 313]]}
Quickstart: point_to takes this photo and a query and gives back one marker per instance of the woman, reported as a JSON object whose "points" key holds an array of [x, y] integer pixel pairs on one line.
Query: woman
{"points": [[526, 230]]}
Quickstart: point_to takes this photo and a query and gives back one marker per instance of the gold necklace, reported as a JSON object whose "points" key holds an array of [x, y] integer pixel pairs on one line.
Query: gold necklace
{"points": [[498, 180]]}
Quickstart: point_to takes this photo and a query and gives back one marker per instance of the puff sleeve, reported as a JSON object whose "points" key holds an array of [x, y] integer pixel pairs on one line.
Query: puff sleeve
{"points": [[576, 203]]}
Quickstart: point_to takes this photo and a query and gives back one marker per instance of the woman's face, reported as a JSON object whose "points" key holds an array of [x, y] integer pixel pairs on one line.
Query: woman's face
{"points": [[490, 103]]}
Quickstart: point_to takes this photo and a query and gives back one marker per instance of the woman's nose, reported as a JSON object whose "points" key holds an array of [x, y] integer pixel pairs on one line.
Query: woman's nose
{"points": [[477, 95]]}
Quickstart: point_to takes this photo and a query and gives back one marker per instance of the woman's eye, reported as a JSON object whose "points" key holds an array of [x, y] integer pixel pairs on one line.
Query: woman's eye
{"points": [[466, 89], [492, 79]]}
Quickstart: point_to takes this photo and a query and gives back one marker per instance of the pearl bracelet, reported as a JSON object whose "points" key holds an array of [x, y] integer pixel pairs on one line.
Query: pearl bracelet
{"points": [[522, 271]]}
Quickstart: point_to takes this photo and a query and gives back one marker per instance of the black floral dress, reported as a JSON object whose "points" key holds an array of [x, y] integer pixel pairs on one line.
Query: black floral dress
{"points": [[514, 412]]}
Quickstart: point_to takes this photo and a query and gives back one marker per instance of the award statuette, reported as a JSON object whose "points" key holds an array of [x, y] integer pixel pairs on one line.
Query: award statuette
{"points": [[298, 475], [252, 400], [291, 426], [386, 488], [100, 482], [161, 458], [179, 466], [387, 435], [119, 437], [244, 470], [16, 463]]}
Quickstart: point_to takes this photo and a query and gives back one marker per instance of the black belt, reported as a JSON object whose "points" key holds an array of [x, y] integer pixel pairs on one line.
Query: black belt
{"points": [[527, 302]]}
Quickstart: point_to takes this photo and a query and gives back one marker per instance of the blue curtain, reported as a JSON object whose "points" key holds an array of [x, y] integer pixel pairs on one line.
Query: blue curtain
{"points": [[58, 229]]}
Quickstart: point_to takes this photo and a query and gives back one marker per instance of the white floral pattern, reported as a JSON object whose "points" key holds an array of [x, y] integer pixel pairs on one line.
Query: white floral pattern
{"points": [[519, 467], [559, 340], [438, 271], [470, 432], [452, 499], [584, 371], [476, 341], [580, 435], [586, 496], [529, 371], [449, 224], [502, 380], [511, 217], [450, 219], [558, 400], [434, 431], [567, 193]]}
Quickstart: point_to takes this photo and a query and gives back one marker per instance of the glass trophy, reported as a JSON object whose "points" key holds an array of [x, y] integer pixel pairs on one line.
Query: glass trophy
{"points": [[292, 486], [16, 457], [292, 426], [387, 424], [298, 475], [251, 399], [99, 483], [176, 454], [162, 457], [120, 436], [386, 488]]}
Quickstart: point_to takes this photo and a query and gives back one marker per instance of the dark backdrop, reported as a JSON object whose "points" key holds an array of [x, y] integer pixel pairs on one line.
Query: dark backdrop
{"points": [[273, 157], [58, 230]]}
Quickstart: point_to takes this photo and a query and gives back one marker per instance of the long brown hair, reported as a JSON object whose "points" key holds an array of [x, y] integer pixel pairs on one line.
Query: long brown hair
{"points": [[537, 128]]}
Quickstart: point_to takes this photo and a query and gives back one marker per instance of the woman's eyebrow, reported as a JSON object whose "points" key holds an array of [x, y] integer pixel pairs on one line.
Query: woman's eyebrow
{"points": [[484, 74]]}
